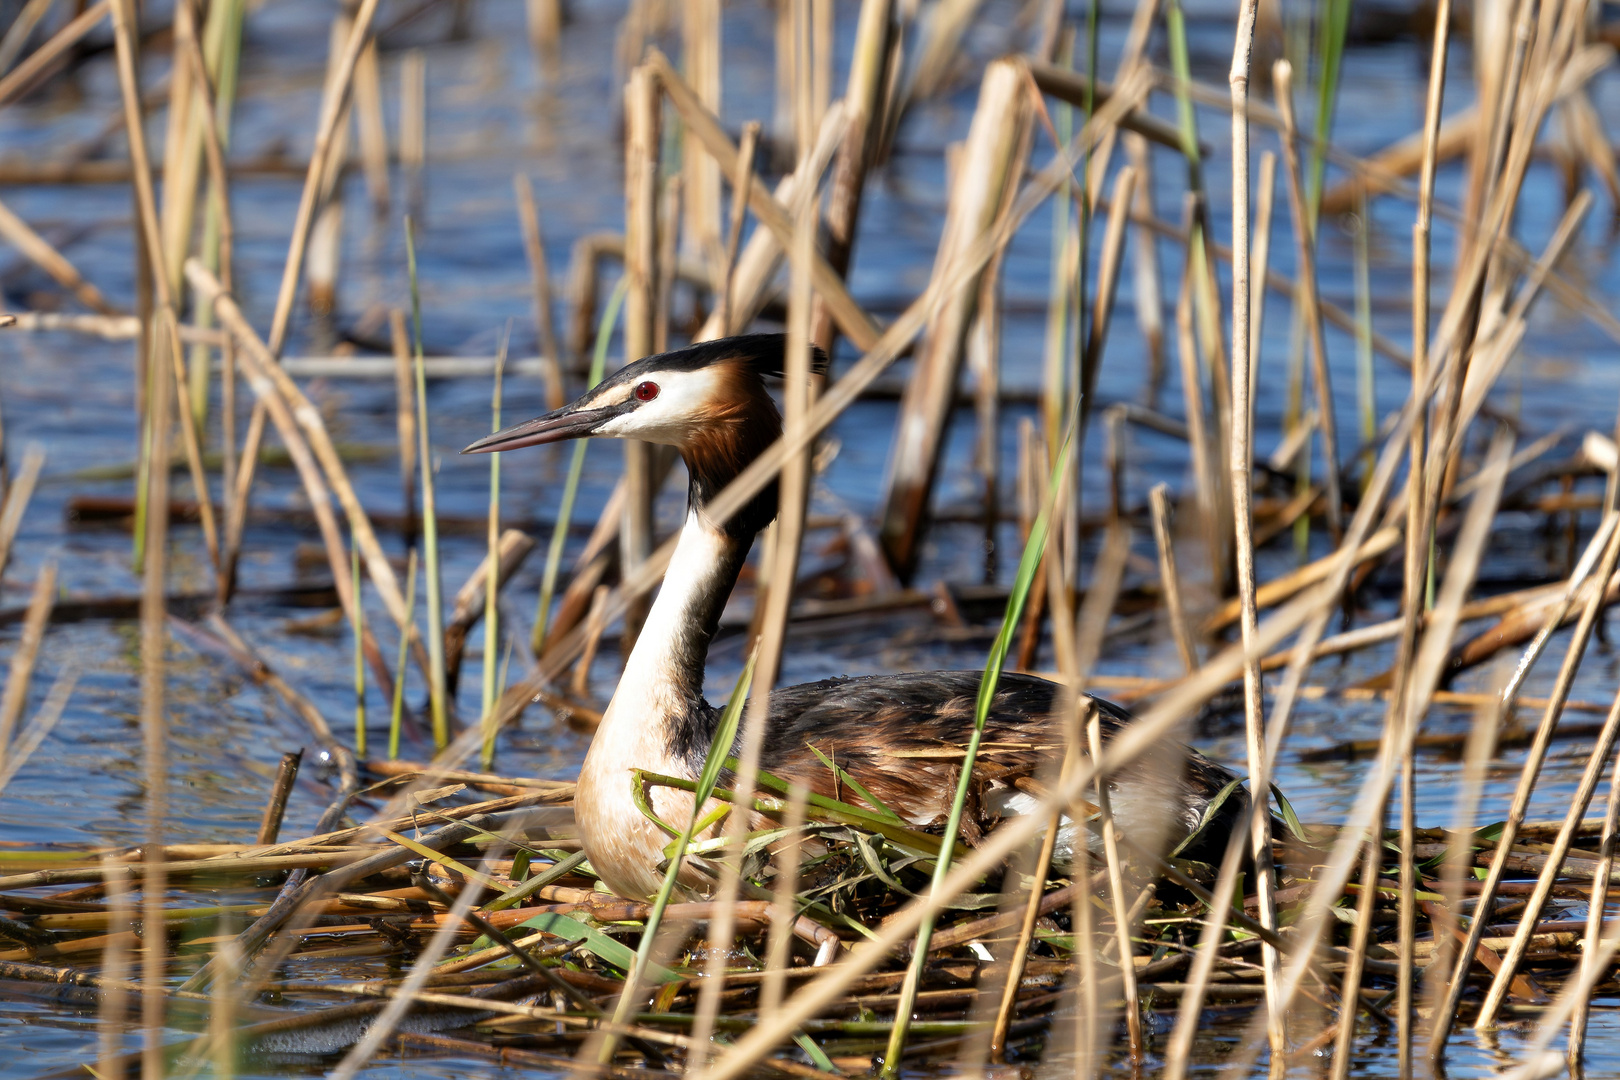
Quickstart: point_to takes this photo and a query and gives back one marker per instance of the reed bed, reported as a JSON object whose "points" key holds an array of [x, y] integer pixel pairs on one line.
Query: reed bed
{"points": [[442, 904]]}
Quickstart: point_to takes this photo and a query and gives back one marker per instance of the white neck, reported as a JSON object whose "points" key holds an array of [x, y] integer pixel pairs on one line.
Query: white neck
{"points": [[658, 716]]}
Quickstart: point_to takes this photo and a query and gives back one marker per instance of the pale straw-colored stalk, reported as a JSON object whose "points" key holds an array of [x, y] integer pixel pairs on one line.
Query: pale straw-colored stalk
{"points": [[1240, 455]]}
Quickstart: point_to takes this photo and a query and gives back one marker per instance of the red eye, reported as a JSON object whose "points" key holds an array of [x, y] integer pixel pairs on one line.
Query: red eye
{"points": [[646, 391]]}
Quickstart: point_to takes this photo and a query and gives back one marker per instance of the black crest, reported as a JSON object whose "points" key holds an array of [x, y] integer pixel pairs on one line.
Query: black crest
{"points": [[764, 353]]}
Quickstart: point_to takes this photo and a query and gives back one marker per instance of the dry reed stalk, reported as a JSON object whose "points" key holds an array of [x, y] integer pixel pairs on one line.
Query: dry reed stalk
{"points": [[1102, 304], [1240, 490], [784, 899], [299, 422], [997, 144], [700, 174], [37, 250], [789, 537], [855, 323], [939, 55], [155, 538], [1420, 688], [1514, 955], [331, 111], [324, 254], [669, 235], [876, 41], [545, 18], [1416, 561], [373, 132], [114, 1005], [1147, 299], [18, 492], [754, 276], [182, 154], [333, 101], [1116, 889], [303, 432], [21, 673], [545, 329], [1260, 262], [1198, 439], [404, 421], [984, 362], [1596, 908], [641, 154], [1307, 297], [219, 226], [413, 126], [21, 79], [17, 34], [739, 210], [1170, 578]]}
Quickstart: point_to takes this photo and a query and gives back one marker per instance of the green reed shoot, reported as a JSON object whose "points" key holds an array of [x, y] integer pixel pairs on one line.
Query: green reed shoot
{"points": [[404, 654], [1023, 582], [576, 468], [359, 625], [430, 517], [725, 734], [1331, 30], [492, 583]]}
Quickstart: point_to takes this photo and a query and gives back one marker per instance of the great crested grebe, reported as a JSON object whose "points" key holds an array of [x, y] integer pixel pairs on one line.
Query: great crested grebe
{"points": [[709, 401]]}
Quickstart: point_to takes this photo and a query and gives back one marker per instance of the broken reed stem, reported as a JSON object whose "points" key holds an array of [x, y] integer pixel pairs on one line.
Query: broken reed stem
{"points": [[440, 708], [280, 791]]}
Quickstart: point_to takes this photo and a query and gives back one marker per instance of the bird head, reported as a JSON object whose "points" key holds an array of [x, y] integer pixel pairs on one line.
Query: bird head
{"points": [[706, 400]]}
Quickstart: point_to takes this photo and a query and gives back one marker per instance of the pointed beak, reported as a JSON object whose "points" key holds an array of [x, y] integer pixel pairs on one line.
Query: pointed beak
{"points": [[566, 423]]}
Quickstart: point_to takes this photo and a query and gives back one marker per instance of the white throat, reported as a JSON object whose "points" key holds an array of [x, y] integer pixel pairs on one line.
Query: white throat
{"points": [[650, 723]]}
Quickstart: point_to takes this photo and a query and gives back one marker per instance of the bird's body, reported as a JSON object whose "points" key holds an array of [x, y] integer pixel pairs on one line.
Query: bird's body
{"points": [[899, 737]]}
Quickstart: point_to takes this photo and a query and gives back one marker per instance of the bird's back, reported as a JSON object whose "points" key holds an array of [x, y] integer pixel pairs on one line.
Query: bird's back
{"points": [[901, 738]]}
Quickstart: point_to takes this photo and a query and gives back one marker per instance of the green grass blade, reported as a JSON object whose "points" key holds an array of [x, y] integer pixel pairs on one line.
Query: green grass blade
{"points": [[492, 586], [430, 519]]}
